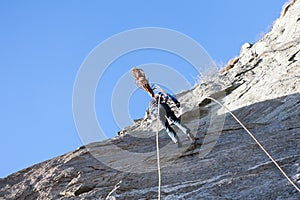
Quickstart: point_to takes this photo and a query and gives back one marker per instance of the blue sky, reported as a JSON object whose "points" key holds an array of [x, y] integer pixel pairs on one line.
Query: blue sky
{"points": [[44, 43]]}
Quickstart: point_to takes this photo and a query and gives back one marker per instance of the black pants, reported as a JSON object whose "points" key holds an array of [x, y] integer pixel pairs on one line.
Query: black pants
{"points": [[166, 112]]}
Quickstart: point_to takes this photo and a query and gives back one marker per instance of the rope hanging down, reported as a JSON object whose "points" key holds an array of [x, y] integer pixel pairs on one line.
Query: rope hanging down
{"points": [[257, 142], [157, 151]]}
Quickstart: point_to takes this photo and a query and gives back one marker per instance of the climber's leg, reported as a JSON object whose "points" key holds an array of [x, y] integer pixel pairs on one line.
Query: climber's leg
{"points": [[182, 127], [172, 134]]}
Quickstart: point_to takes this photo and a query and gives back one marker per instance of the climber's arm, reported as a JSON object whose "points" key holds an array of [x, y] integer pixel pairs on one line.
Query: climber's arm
{"points": [[174, 100]]}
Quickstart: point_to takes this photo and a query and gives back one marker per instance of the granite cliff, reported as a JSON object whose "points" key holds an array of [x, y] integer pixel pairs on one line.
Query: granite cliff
{"points": [[261, 87]]}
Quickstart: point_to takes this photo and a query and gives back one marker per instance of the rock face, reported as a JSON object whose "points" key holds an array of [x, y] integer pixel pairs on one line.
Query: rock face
{"points": [[262, 88]]}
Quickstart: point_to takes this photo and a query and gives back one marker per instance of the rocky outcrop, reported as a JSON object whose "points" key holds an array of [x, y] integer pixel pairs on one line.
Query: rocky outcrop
{"points": [[262, 88]]}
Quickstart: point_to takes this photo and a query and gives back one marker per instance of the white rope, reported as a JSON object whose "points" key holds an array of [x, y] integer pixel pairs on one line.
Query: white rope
{"points": [[257, 142], [157, 151], [113, 190]]}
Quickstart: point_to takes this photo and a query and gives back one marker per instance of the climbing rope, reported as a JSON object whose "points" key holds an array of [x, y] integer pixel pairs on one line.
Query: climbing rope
{"points": [[257, 142], [117, 186], [157, 150]]}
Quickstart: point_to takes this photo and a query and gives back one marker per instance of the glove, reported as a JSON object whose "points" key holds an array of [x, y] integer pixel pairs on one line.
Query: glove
{"points": [[178, 104]]}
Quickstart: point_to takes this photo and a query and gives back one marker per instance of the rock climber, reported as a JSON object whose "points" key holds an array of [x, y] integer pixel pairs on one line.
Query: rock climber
{"points": [[161, 110], [159, 106]]}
